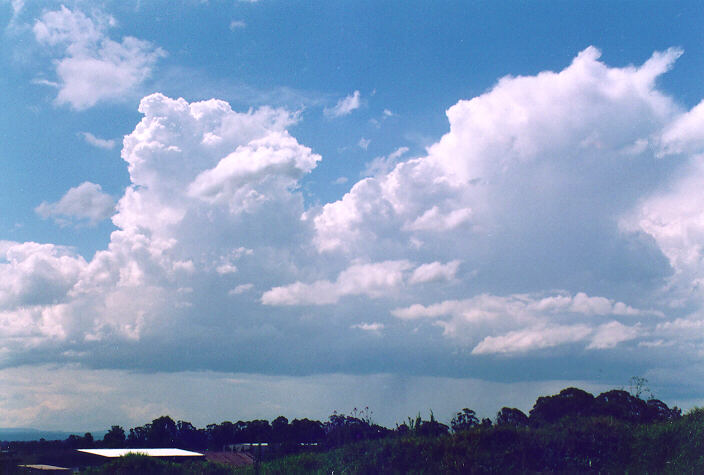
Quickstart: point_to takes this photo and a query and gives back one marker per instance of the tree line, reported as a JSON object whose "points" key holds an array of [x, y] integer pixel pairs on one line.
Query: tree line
{"points": [[340, 429]]}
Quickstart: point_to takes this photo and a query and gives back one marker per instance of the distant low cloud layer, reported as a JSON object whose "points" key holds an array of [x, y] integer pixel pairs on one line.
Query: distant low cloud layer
{"points": [[559, 219], [59, 398]]}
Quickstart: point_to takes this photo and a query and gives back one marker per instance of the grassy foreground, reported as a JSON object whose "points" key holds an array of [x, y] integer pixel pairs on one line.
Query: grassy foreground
{"points": [[572, 445]]}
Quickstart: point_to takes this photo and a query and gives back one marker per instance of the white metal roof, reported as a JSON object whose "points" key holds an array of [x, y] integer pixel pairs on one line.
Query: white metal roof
{"points": [[46, 468], [148, 452]]}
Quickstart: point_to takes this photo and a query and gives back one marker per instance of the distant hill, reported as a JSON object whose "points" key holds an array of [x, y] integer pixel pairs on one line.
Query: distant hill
{"points": [[24, 434]]}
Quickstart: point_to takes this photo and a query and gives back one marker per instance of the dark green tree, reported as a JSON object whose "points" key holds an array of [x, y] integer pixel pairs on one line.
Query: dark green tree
{"points": [[510, 416], [341, 429], [657, 411], [73, 442], [190, 437], [464, 420], [138, 436], [638, 387], [257, 430], [432, 428], [114, 438], [569, 402], [280, 432], [162, 432], [220, 435], [620, 405], [305, 430]]}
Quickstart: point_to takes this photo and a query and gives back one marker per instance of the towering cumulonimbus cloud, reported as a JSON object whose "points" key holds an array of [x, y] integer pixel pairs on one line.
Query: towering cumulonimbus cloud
{"points": [[549, 143], [206, 182], [522, 230]]}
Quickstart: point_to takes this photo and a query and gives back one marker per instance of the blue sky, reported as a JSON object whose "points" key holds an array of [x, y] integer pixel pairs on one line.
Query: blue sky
{"points": [[255, 208]]}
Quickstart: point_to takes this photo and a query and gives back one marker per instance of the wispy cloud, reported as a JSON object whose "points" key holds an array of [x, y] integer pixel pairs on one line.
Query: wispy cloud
{"points": [[240, 289], [107, 144], [344, 106], [374, 327], [384, 164]]}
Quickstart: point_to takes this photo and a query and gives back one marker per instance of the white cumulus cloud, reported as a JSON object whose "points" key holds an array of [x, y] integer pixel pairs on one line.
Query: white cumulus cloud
{"points": [[92, 67], [521, 322], [174, 242], [237, 177], [35, 274], [684, 135], [543, 182], [373, 280], [434, 271], [505, 163], [611, 334], [84, 203], [532, 339]]}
